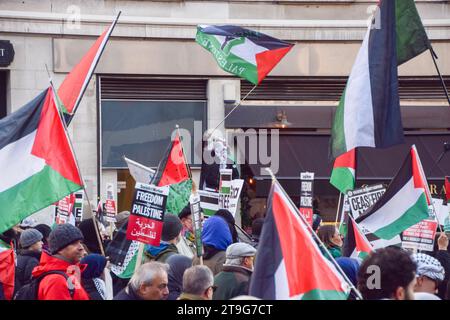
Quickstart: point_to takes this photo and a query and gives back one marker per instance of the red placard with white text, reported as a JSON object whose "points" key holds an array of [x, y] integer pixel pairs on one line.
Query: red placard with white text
{"points": [[420, 236], [147, 214]]}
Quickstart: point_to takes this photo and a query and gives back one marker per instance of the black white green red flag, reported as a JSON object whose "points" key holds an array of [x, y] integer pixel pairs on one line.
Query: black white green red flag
{"points": [[356, 244], [290, 264], [246, 53], [404, 203], [38, 166], [368, 114]]}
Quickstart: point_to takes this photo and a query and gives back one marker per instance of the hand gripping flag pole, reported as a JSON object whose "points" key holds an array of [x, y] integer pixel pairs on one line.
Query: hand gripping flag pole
{"points": [[350, 284]]}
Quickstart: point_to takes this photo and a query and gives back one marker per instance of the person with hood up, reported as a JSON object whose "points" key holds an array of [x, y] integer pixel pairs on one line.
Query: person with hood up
{"points": [[224, 213], [66, 252], [45, 231], [216, 238], [91, 278], [178, 264], [170, 236]]}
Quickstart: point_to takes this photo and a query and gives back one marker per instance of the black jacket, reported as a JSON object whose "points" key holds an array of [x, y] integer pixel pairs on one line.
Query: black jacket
{"points": [[26, 261], [443, 256], [124, 295]]}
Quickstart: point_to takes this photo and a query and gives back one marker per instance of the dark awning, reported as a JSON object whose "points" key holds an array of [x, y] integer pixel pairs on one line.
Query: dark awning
{"points": [[309, 152]]}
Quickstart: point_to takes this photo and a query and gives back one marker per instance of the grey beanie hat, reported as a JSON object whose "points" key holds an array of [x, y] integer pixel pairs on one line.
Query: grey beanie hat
{"points": [[29, 237], [171, 227], [62, 236]]}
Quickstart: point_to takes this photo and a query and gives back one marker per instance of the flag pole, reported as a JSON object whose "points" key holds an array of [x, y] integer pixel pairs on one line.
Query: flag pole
{"points": [[434, 57], [94, 220], [338, 207], [182, 149], [97, 59], [240, 102], [274, 180]]}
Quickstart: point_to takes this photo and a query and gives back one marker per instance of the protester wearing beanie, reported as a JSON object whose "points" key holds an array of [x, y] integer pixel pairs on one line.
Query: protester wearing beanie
{"points": [[28, 256], [45, 230], [66, 252], [170, 236]]}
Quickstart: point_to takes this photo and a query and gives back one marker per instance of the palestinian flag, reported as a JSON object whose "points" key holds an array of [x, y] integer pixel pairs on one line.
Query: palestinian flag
{"points": [[246, 53], [368, 114], [356, 244], [209, 202], [404, 203], [343, 174], [290, 264], [225, 181], [38, 166], [173, 168], [72, 89], [7, 271]]}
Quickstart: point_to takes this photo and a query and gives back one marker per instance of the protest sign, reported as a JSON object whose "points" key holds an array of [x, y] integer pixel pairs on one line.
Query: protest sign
{"points": [[147, 213], [236, 188], [110, 204], [209, 201], [64, 209], [78, 206], [363, 198], [194, 201], [420, 236], [225, 188], [306, 196]]}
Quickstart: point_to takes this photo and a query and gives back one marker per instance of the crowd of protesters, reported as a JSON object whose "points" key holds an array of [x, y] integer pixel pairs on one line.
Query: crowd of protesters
{"points": [[66, 263]]}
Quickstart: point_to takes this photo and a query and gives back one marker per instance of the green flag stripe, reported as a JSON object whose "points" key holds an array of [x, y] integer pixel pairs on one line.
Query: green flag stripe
{"points": [[318, 294], [228, 62], [338, 144], [412, 39], [413, 215], [343, 179], [33, 194]]}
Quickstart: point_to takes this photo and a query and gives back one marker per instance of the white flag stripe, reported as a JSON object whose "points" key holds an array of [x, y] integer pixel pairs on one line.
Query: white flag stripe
{"points": [[393, 209], [139, 172], [18, 164], [246, 51], [358, 115], [281, 283]]}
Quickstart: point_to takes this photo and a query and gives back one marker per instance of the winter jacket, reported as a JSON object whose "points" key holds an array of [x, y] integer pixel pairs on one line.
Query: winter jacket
{"points": [[213, 259], [27, 260], [233, 281], [188, 296], [127, 294], [54, 286], [94, 288], [161, 253]]}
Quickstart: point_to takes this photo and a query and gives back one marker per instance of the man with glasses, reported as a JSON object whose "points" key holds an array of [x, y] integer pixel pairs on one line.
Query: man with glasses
{"points": [[149, 282], [198, 283], [429, 273]]}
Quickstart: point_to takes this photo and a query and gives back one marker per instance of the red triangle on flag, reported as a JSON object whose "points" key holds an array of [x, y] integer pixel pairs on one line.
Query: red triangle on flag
{"points": [[362, 244], [306, 267], [420, 181], [7, 271], [175, 169], [52, 144], [267, 60]]}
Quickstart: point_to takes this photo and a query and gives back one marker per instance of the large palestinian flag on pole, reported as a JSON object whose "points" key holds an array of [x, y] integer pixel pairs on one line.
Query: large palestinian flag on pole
{"points": [[404, 203], [246, 53], [72, 89], [38, 166], [343, 174], [368, 114], [290, 264]]}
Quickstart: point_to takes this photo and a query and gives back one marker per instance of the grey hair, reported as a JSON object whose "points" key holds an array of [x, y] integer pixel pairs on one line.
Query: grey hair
{"points": [[235, 261], [197, 279], [146, 273]]}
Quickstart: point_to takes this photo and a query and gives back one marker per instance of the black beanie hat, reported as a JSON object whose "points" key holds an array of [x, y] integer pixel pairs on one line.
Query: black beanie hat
{"points": [[171, 227], [185, 212], [62, 236]]}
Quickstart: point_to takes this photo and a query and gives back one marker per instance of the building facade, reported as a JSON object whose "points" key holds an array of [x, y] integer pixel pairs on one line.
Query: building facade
{"points": [[153, 76]]}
